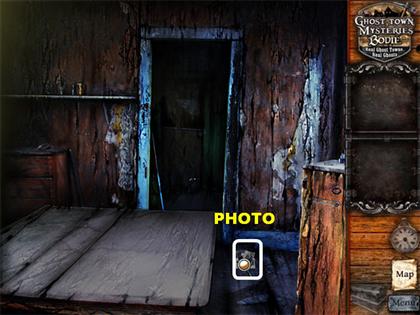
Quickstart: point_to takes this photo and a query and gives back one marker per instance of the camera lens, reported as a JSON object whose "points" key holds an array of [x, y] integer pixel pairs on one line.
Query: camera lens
{"points": [[244, 264]]}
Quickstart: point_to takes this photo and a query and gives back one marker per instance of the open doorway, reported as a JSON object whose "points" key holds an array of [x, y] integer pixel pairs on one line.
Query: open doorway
{"points": [[190, 80]]}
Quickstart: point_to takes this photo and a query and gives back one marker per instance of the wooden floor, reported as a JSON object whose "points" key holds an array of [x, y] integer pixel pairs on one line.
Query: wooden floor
{"points": [[124, 261]]}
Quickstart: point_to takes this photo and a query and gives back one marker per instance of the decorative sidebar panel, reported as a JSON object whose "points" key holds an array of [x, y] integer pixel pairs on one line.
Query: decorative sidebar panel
{"points": [[382, 127], [382, 186], [322, 257]]}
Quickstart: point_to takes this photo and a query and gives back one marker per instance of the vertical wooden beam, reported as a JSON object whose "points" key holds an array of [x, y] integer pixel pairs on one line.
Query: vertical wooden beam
{"points": [[61, 179], [145, 97], [230, 191], [322, 274]]}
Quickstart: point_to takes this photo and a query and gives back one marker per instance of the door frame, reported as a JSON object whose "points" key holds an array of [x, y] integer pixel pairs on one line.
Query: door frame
{"points": [[147, 35]]}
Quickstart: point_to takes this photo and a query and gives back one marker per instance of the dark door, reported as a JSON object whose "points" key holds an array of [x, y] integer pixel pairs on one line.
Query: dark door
{"points": [[189, 108]]}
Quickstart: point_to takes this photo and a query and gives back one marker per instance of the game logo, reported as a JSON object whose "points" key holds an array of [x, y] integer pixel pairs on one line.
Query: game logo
{"points": [[384, 30]]}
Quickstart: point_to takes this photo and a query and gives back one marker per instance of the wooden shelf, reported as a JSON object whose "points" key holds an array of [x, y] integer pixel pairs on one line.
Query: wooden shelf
{"points": [[74, 97]]}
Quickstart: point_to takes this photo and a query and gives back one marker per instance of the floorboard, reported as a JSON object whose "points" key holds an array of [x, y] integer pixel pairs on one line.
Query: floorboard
{"points": [[157, 258], [34, 280], [8, 232], [36, 238]]}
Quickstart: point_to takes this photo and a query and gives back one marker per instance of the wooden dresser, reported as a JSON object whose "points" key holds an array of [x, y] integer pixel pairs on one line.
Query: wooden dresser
{"points": [[32, 178]]}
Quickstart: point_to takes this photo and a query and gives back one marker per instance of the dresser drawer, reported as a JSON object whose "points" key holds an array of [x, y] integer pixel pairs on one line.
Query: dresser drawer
{"points": [[30, 166], [31, 188], [33, 178]]}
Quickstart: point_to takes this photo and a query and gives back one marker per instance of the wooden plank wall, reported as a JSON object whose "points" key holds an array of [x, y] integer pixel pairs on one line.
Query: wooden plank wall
{"points": [[370, 250], [354, 56], [97, 42], [276, 56]]}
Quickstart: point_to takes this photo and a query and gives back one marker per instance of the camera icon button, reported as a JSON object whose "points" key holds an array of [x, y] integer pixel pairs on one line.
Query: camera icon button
{"points": [[247, 259]]}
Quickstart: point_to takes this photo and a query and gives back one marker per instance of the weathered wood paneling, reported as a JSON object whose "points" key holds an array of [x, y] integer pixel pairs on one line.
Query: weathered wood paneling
{"points": [[377, 257], [82, 128], [380, 224], [277, 56], [293, 60], [91, 42], [95, 43], [374, 274], [370, 249], [322, 261]]}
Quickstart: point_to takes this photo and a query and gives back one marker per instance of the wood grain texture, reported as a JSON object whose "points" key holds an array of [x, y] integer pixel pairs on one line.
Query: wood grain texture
{"points": [[92, 43], [95, 161], [36, 278], [379, 223], [36, 166], [9, 231], [32, 179], [370, 240], [32, 188], [97, 43], [36, 238], [228, 296], [274, 83], [371, 274], [329, 186], [370, 250], [322, 257], [378, 257], [25, 305]]}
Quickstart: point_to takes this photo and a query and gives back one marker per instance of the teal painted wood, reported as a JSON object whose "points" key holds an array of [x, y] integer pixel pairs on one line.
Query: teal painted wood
{"points": [[145, 97], [231, 179]]}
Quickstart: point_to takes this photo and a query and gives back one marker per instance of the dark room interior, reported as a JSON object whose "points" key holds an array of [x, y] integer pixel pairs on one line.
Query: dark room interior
{"points": [[119, 113]]}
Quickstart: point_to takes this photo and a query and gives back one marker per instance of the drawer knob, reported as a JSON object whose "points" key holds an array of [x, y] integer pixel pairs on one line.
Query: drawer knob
{"points": [[336, 190]]}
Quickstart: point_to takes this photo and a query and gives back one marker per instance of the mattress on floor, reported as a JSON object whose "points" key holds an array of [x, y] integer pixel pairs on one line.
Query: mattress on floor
{"points": [[112, 256]]}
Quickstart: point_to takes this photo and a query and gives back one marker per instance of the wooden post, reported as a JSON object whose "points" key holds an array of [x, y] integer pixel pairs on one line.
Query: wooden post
{"points": [[145, 96], [321, 284]]}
